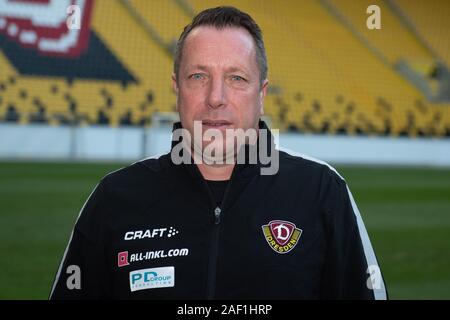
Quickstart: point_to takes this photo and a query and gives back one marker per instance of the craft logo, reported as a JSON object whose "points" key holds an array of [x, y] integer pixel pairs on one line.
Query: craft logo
{"points": [[282, 236]]}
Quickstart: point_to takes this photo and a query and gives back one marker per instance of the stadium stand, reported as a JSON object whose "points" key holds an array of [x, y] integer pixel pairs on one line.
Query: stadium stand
{"points": [[328, 72], [431, 23]]}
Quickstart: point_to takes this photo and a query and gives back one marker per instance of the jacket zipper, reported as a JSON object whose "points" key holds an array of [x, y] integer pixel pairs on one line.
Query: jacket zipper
{"points": [[214, 249], [213, 255]]}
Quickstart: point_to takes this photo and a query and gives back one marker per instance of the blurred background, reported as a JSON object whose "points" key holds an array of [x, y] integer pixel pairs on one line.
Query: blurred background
{"points": [[366, 90]]}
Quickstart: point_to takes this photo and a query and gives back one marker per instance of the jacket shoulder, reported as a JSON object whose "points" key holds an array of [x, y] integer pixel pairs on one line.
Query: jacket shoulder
{"points": [[147, 169], [298, 164]]}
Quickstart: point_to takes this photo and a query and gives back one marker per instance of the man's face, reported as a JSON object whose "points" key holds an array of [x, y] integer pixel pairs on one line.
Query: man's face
{"points": [[219, 80]]}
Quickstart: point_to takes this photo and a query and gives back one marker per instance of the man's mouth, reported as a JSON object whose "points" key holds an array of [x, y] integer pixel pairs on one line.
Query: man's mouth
{"points": [[217, 124]]}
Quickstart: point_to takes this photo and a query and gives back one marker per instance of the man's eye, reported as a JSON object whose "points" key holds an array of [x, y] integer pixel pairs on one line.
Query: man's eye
{"points": [[237, 78], [197, 76]]}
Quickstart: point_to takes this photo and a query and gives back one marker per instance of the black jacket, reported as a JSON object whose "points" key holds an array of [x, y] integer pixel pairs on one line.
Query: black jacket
{"points": [[293, 235]]}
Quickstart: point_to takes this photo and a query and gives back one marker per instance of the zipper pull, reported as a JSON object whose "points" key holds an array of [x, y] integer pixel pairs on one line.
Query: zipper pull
{"points": [[217, 212]]}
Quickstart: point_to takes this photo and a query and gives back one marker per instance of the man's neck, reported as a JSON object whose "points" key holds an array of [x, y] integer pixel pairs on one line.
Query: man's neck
{"points": [[216, 172]]}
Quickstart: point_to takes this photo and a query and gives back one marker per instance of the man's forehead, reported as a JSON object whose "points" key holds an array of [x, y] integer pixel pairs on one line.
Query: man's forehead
{"points": [[227, 43]]}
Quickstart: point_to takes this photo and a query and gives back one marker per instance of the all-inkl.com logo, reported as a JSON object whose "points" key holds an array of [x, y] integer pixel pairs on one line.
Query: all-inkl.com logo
{"points": [[152, 278], [282, 236]]}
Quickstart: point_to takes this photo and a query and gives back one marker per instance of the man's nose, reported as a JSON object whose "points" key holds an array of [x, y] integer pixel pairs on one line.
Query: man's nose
{"points": [[217, 94]]}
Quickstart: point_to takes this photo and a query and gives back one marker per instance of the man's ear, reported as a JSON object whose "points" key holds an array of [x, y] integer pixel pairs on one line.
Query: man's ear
{"points": [[175, 88], [263, 93], [174, 83]]}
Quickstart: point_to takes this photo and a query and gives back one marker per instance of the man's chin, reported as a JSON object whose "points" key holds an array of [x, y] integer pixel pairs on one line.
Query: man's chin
{"points": [[218, 152]]}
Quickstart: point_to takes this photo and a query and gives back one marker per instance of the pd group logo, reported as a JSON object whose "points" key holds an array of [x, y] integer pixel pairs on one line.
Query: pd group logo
{"points": [[152, 278], [282, 236]]}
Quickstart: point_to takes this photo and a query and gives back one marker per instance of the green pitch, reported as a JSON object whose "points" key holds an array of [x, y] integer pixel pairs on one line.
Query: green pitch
{"points": [[406, 211]]}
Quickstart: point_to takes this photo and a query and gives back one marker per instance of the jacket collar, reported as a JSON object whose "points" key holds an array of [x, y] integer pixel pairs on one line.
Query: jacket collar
{"points": [[241, 176]]}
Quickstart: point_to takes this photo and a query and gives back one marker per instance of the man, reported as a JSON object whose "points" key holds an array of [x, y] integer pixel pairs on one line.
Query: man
{"points": [[197, 223]]}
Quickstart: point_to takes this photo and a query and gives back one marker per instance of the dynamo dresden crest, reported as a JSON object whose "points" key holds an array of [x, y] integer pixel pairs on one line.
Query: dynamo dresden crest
{"points": [[282, 236]]}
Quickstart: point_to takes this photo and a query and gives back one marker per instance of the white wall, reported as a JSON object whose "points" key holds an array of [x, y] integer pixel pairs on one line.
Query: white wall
{"points": [[127, 144], [371, 150]]}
